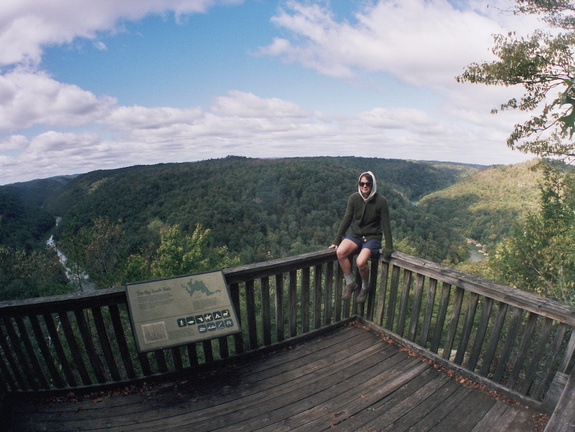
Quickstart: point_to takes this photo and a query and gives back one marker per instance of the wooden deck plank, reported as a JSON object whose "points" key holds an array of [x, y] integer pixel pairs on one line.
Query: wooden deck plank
{"points": [[204, 388], [502, 417], [252, 372], [403, 401], [349, 379], [308, 390], [343, 397], [344, 409]]}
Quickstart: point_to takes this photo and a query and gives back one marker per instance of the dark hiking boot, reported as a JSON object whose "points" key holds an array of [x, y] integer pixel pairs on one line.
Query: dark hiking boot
{"points": [[362, 296], [348, 290]]}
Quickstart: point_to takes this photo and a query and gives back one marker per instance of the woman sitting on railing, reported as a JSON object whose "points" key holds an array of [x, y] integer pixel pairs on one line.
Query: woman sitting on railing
{"points": [[367, 213]]}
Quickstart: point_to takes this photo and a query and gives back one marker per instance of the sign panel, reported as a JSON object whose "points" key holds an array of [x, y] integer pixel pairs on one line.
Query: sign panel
{"points": [[182, 310]]}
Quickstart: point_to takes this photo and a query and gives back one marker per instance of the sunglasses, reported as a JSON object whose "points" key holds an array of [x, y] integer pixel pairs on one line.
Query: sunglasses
{"points": [[368, 184]]}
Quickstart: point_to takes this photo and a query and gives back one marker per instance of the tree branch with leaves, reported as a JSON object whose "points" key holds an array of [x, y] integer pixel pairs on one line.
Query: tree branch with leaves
{"points": [[543, 64]]}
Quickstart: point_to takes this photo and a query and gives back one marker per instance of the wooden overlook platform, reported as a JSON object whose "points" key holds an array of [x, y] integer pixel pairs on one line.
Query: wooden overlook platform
{"points": [[431, 349]]}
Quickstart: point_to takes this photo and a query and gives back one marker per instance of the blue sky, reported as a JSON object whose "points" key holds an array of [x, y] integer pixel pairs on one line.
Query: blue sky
{"points": [[90, 85]]}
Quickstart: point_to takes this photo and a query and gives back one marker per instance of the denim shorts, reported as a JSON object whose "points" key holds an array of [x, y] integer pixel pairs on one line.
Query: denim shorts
{"points": [[373, 244]]}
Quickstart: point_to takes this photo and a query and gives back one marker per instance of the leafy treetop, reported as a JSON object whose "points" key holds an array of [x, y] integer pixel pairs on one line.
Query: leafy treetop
{"points": [[543, 64]]}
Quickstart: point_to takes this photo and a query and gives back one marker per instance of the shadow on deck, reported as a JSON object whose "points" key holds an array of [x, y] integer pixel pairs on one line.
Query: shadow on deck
{"points": [[348, 379]]}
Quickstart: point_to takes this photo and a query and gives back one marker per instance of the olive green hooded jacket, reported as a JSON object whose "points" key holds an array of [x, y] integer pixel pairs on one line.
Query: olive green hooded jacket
{"points": [[367, 217]]}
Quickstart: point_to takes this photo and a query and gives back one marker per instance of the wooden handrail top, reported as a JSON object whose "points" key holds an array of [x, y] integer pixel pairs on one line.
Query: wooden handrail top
{"points": [[506, 294]]}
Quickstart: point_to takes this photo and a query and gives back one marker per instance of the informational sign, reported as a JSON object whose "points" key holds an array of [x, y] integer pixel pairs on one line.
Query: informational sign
{"points": [[182, 310]]}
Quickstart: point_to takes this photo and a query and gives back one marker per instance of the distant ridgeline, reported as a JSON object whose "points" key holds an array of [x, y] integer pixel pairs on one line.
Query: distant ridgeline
{"points": [[270, 208]]}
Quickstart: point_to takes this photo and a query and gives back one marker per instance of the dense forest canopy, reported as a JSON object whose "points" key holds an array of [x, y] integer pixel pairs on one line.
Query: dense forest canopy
{"points": [[258, 208], [484, 206], [248, 210]]}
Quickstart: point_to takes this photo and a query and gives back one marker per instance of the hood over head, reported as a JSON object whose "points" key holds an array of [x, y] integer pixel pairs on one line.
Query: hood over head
{"points": [[373, 188]]}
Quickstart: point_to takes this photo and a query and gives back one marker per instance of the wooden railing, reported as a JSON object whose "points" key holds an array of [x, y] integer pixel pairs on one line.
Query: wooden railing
{"points": [[86, 340], [513, 339]]}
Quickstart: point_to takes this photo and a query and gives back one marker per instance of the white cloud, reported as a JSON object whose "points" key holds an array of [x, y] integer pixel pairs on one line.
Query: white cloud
{"points": [[395, 118], [54, 128], [244, 104], [100, 46], [33, 98], [28, 26], [138, 135], [422, 43], [137, 117], [13, 143]]}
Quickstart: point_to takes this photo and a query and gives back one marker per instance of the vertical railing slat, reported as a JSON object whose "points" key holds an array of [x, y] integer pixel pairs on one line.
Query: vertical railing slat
{"points": [[90, 349], [45, 350], [510, 338], [279, 305], [467, 326], [428, 315], [382, 293], [305, 288], [453, 322], [145, 364], [494, 339], [328, 295], [121, 341], [441, 316], [292, 299], [370, 303], [15, 345], [404, 302], [102, 334], [266, 310], [416, 307], [59, 348], [208, 351], [337, 297], [38, 370], [12, 362], [251, 315], [481, 332], [161, 362], [176, 354], [223, 347], [317, 296], [7, 367], [568, 355], [193, 352], [523, 348], [551, 358], [74, 348], [392, 298], [238, 337], [536, 356]]}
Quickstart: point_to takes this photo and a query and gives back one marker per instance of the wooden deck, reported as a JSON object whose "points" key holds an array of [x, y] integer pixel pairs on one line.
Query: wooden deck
{"points": [[350, 379]]}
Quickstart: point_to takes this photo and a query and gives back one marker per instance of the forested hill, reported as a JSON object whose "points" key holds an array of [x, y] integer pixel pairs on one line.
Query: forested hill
{"points": [[484, 206], [24, 221], [261, 208]]}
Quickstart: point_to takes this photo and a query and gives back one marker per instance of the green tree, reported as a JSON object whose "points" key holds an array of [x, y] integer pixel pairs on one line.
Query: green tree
{"points": [[30, 274], [542, 63], [178, 254], [539, 256], [96, 251]]}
